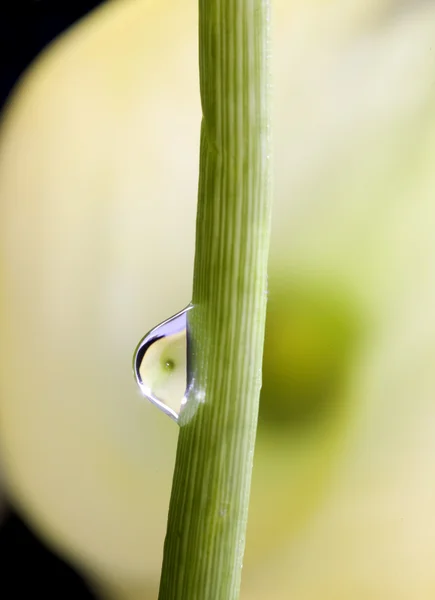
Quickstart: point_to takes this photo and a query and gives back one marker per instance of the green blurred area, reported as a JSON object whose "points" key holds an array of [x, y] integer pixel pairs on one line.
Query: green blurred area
{"points": [[311, 340]]}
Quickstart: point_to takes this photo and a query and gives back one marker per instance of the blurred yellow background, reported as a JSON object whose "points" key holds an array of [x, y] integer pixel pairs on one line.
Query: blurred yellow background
{"points": [[98, 178]]}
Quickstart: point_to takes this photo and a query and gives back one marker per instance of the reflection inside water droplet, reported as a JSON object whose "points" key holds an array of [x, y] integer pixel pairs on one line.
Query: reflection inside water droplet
{"points": [[160, 364]]}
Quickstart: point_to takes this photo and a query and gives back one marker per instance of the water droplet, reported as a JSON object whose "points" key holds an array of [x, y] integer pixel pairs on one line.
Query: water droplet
{"points": [[160, 364]]}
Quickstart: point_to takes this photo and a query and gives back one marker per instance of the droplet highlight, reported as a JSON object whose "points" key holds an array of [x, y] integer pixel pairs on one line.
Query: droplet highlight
{"points": [[160, 364]]}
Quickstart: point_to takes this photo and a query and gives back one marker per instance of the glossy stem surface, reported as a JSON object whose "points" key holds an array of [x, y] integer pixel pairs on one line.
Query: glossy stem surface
{"points": [[205, 539]]}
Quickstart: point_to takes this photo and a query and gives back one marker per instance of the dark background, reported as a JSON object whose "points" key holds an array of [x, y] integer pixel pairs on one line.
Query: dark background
{"points": [[26, 27], [28, 568]]}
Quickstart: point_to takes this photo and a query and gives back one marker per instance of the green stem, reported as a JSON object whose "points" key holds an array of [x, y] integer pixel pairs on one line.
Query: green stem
{"points": [[205, 540]]}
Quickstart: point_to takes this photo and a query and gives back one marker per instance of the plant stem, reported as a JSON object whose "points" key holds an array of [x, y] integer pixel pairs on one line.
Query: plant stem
{"points": [[205, 539]]}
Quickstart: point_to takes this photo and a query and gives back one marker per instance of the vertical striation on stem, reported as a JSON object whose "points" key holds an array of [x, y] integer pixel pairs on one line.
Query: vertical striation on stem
{"points": [[207, 520]]}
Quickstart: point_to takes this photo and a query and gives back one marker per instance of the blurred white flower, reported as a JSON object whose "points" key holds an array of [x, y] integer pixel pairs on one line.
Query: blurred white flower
{"points": [[98, 176]]}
